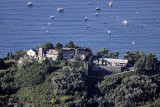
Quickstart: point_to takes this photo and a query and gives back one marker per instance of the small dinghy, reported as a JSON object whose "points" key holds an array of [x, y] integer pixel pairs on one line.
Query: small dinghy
{"points": [[86, 18], [52, 17], [110, 4], [60, 9], [109, 32], [98, 8], [125, 22], [133, 43], [29, 3]]}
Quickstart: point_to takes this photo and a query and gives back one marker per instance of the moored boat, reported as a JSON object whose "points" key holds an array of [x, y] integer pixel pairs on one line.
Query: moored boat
{"points": [[125, 22], [110, 4], [29, 3], [60, 9]]}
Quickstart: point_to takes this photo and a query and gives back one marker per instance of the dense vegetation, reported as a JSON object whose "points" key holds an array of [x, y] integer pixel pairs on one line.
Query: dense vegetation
{"points": [[62, 83], [107, 53]]}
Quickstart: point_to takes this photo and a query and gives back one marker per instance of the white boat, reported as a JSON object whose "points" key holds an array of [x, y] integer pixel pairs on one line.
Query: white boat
{"points": [[110, 4], [137, 12], [96, 14], [104, 22], [109, 32], [87, 26], [29, 3], [86, 18], [52, 17], [98, 8], [89, 2], [47, 31], [133, 43], [60, 9], [49, 24], [125, 22]]}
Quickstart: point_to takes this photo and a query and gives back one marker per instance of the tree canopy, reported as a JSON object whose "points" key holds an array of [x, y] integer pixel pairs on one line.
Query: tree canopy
{"points": [[146, 62], [58, 46], [70, 44], [107, 53], [133, 57], [48, 46], [2, 64], [60, 56]]}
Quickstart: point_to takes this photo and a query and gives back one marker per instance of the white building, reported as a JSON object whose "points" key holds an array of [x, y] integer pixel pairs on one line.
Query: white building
{"points": [[110, 62], [69, 54], [32, 53], [52, 54]]}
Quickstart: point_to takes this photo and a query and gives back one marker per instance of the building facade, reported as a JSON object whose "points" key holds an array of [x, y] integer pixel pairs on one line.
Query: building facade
{"points": [[52, 54], [32, 53], [69, 54], [106, 66]]}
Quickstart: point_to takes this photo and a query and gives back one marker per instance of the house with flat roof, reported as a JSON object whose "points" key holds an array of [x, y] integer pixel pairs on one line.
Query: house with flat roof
{"points": [[69, 54], [106, 66], [52, 54], [32, 53]]}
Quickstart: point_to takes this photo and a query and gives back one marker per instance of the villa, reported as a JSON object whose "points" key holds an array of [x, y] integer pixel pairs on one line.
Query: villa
{"points": [[52, 54], [105, 66], [69, 54], [32, 53], [101, 66]]}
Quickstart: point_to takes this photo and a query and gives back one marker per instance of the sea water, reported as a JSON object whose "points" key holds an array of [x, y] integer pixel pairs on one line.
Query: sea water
{"points": [[24, 27]]}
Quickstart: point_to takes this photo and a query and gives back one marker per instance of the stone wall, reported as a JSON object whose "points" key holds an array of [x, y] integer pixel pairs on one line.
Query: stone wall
{"points": [[105, 70]]}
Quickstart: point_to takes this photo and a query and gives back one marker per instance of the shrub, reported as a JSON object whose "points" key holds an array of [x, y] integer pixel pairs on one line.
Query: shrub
{"points": [[31, 75]]}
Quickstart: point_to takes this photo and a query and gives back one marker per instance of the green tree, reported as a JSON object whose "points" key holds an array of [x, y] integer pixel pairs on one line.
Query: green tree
{"points": [[102, 52], [2, 64], [58, 46], [109, 55], [78, 59], [64, 82], [152, 60], [8, 55], [141, 64], [71, 44], [88, 54], [60, 56], [18, 54], [31, 75], [133, 57], [12, 56], [115, 54], [48, 46], [90, 61], [40, 46], [146, 62]]}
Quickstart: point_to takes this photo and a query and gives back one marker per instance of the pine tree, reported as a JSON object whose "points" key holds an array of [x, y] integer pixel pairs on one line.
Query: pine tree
{"points": [[71, 44], [60, 56], [8, 55]]}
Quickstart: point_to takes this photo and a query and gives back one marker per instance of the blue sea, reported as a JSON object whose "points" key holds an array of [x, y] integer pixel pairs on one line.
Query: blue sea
{"points": [[23, 27]]}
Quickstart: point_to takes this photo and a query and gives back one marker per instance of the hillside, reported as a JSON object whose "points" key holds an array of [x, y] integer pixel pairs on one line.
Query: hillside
{"points": [[62, 83]]}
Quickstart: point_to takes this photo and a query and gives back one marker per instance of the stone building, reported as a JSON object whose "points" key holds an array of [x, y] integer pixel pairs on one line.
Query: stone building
{"points": [[111, 62], [106, 66], [25, 60], [69, 54], [32, 53], [41, 52], [81, 53], [52, 54]]}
